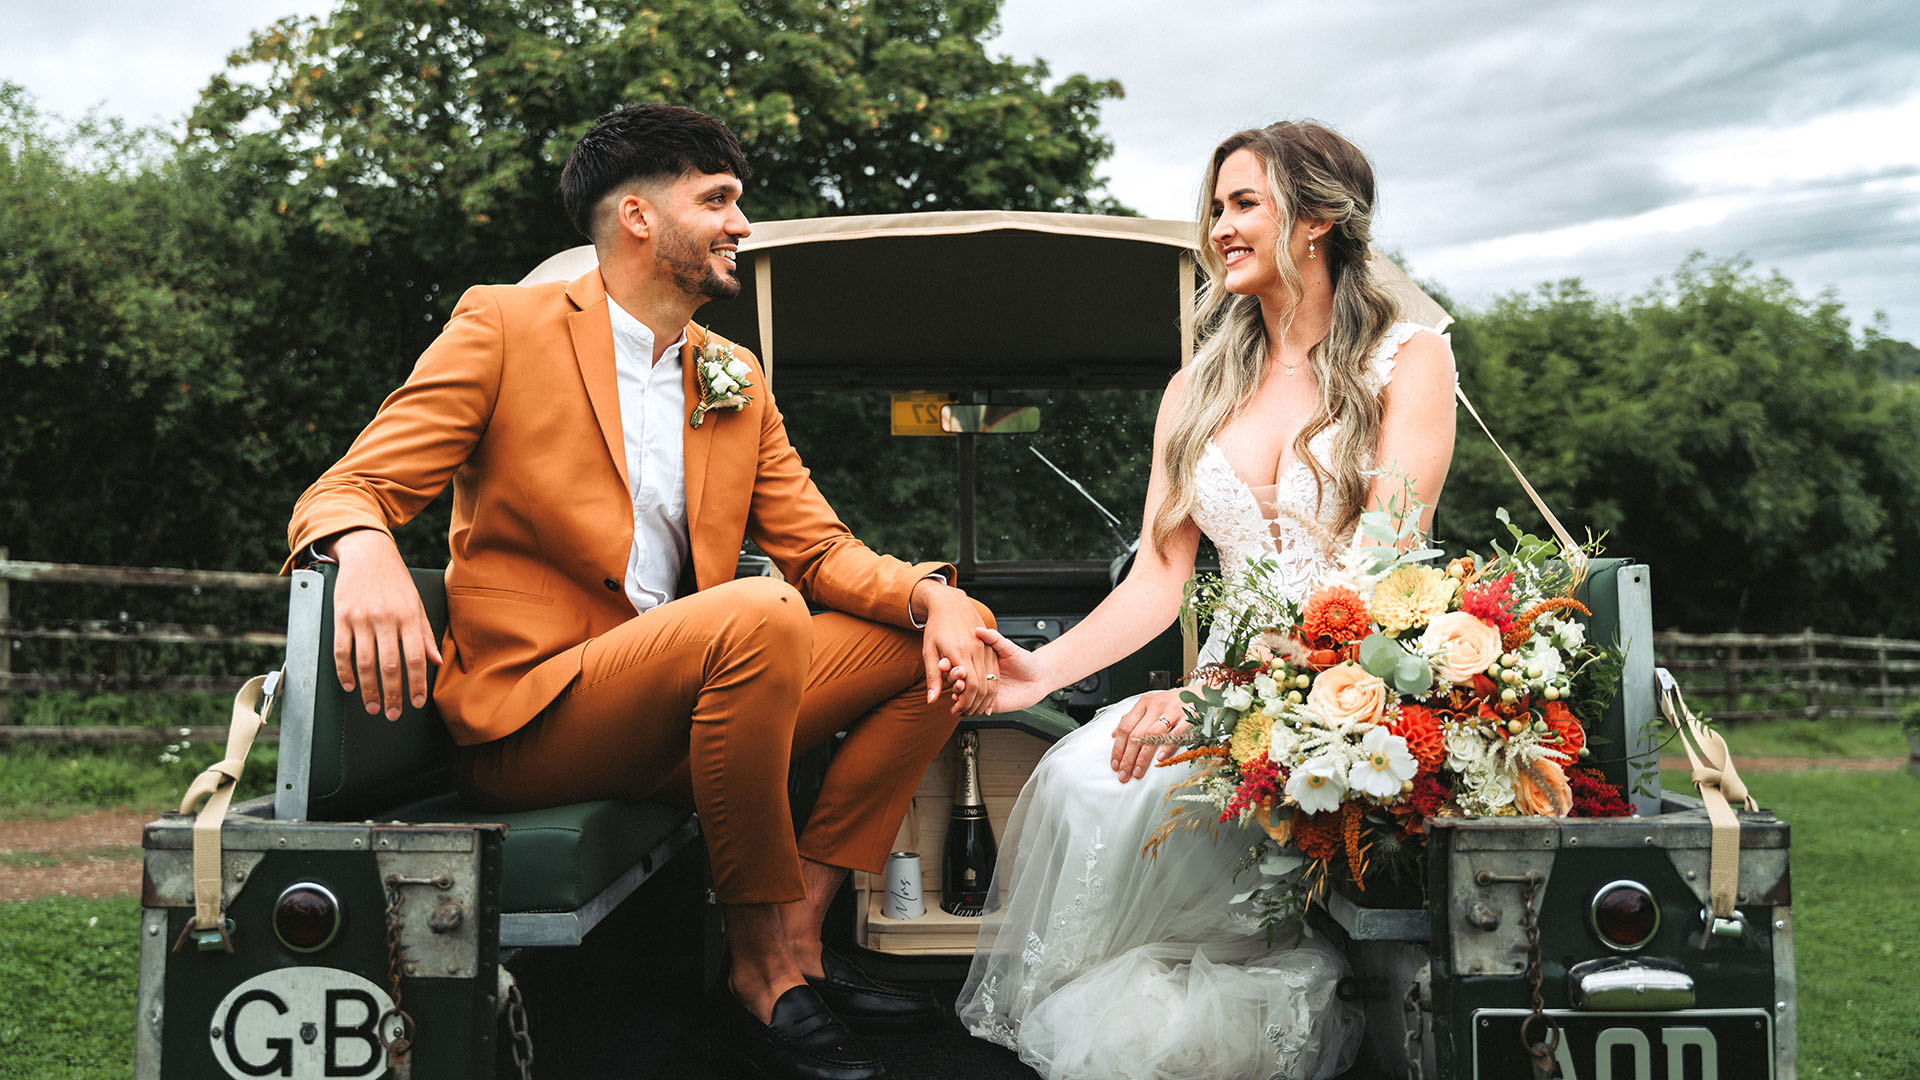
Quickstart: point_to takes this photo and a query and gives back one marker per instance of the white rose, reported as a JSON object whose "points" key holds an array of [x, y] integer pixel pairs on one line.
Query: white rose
{"points": [[738, 369], [1265, 688], [1237, 698], [723, 385], [1464, 749], [1541, 654], [1285, 747]]}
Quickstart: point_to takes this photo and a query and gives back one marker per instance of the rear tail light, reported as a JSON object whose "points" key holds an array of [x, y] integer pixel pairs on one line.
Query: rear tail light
{"points": [[306, 917], [1624, 915]]}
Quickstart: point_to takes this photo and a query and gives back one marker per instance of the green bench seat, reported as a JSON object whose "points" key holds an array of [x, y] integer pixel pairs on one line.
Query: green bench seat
{"points": [[566, 867]]}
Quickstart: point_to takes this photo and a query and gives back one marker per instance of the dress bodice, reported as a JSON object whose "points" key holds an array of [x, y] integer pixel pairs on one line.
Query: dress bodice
{"points": [[1301, 536]]}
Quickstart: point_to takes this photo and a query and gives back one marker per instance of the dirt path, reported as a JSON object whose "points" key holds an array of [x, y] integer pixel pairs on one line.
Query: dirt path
{"points": [[90, 855]]}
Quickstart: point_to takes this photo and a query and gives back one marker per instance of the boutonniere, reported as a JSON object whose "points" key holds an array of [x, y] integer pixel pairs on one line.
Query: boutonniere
{"points": [[721, 376]]}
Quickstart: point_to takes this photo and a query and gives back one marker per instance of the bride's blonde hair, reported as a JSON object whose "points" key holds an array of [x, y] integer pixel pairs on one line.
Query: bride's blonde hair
{"points": [[1312, 174]]}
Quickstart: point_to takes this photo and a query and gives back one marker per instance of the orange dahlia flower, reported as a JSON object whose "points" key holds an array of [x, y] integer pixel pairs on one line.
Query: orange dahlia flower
{"points": [[1319, 836], [1425, 740], [1333, 617]]}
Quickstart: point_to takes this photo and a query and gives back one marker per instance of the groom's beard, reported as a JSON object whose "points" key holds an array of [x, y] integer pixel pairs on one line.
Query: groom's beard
{"points": [[690, 264]]}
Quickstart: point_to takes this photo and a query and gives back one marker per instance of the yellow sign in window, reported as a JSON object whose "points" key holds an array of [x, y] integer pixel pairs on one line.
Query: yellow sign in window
{"points": [[919, 414]]}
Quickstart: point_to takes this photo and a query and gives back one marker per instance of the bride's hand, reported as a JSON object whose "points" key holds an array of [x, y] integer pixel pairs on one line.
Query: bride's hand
{"points": [[1160, 712], [1020, 678]]}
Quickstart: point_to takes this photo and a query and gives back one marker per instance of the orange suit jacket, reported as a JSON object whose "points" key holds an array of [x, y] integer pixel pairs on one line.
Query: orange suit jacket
{"points": [[516, 403]]}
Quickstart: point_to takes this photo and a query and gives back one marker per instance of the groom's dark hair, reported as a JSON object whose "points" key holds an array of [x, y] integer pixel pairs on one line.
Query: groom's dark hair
{"points": [[637, 143]]}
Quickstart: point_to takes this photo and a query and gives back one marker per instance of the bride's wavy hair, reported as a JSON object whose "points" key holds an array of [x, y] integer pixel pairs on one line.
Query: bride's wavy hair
{"points": [[1312, 174]]}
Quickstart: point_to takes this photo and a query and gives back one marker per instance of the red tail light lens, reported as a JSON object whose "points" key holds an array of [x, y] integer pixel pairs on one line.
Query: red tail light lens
{"points": [[1624, 915], [306, 917]]}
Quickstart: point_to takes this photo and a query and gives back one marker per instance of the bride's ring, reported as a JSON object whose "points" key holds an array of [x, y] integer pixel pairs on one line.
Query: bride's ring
{"points": [[1166, 721]]}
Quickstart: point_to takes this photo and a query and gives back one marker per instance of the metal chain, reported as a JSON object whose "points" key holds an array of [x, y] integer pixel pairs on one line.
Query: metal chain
{"points": [[521, 1040], [1416, 1032], [398, 1045], [1541, 1052]]}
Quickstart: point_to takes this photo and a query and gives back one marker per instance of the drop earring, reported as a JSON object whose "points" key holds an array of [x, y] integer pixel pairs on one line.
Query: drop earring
{"points": [[1310, 253]]}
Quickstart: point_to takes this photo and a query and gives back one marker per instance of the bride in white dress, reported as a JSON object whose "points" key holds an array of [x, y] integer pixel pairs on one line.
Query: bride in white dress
{"points": [[1105, 965]]}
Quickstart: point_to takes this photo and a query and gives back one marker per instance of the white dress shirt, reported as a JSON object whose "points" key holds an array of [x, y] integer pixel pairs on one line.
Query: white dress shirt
{"points": [[652, 413]]}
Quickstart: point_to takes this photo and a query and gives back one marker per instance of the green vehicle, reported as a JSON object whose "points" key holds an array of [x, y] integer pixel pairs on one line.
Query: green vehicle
{"points": [[362, 922]]}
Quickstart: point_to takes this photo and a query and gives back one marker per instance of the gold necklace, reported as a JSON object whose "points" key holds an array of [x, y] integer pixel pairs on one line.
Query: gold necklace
{"points": [[1288, 370]]}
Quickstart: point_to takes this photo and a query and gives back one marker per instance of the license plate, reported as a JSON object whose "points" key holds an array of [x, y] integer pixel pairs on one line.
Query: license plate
{"points": [[302, 1022], [1734, 1044]]}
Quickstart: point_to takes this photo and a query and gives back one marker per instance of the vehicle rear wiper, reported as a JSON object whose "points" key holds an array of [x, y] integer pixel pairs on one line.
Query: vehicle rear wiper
{"points": [[1126, 542]]}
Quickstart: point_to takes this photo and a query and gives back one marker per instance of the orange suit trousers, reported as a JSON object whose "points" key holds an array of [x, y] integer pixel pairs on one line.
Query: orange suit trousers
{"points": [[706, 701]]}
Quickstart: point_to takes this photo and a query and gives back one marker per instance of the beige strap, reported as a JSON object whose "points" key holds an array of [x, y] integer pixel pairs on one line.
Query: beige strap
{"points": [[1568, 549], [1187, 284], [1714, 777], [250, 708]]}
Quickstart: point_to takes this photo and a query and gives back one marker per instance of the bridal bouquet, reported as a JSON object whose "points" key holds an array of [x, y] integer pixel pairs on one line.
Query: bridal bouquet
{"points": [[1397, 691]]}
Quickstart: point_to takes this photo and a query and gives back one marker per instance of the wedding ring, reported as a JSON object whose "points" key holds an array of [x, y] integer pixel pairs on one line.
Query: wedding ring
{"points": [[1166, 721]]}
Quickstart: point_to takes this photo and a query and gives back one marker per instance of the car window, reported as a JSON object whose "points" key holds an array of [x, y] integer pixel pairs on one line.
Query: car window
{"points": [[1101, 438], [900, 493]]}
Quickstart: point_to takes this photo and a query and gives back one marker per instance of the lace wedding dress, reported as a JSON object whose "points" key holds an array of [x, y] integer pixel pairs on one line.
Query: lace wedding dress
{"points": [[1104, 965]]}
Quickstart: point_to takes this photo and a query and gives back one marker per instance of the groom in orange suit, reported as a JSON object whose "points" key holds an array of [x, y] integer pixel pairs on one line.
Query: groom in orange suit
{"points": [[598, 646]]}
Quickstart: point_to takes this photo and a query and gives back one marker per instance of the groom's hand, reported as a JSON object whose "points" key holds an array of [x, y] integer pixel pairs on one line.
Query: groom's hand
{"points": [[958, 663], [380, 630]]}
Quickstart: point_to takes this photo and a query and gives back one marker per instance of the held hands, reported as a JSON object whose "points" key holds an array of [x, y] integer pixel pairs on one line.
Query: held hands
{"points": [[379, 625], [1160, 712], [958, 663], [1022, 680]]}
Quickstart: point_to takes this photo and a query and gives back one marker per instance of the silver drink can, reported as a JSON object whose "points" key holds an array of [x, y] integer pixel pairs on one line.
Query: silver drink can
{"points": [[903, 887]]}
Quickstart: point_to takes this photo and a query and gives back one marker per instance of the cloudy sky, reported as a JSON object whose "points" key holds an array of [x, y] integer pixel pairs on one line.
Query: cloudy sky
{"points": [[1515, 142]]}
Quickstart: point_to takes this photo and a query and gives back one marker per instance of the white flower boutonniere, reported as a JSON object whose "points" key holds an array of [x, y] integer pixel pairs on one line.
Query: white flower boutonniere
{"points": [[721, 377]]}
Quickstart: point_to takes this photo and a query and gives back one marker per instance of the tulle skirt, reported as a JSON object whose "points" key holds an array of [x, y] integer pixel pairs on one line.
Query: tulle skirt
{"points": [[1104, 965]]}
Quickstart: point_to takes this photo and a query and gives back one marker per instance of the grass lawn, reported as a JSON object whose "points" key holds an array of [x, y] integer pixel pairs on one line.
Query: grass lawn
{"points": [[42, 782], [68, 973], [1856, 905]]}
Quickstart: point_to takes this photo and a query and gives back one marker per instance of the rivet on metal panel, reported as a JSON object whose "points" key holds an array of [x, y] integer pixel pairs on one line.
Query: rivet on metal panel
{"points": [[384, 842], [1779, 924], [1647, 841], [453, 967], [239, 875], [1573, 841], [215, 1033], [282, 842], [1692, 874], [153, 931], [356, 843]]}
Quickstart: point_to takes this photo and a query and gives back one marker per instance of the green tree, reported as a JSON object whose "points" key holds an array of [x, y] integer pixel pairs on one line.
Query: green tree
{"points": [[427, 137], [132, 423], [1721, 428]]}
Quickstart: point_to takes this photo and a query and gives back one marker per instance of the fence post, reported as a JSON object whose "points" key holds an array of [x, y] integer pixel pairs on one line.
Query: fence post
{"points": [[1813, 675], [1733, 678], [1886, 686], [6, 646]]}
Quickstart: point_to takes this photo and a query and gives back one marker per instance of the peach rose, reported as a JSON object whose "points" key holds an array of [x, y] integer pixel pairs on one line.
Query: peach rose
{"points": [[1346, 695], [1465, 644]]}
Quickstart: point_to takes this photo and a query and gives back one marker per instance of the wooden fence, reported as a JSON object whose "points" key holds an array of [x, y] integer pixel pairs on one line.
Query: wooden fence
{"points": [[1758, 676], [1727, 676], [126, 633]]}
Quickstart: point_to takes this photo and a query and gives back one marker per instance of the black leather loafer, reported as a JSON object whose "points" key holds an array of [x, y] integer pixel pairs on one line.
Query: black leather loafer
{"points": [[803, 1041], [870, 1005]]}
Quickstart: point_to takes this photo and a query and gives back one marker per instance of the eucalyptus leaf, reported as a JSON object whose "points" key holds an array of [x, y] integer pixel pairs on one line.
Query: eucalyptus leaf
{"points": [[1412, 675], [1244, 895], [1380, 655], [1276, 865]]}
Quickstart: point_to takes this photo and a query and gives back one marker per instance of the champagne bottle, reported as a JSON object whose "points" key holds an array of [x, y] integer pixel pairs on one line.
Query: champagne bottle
{"points": [[966, 871]]}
